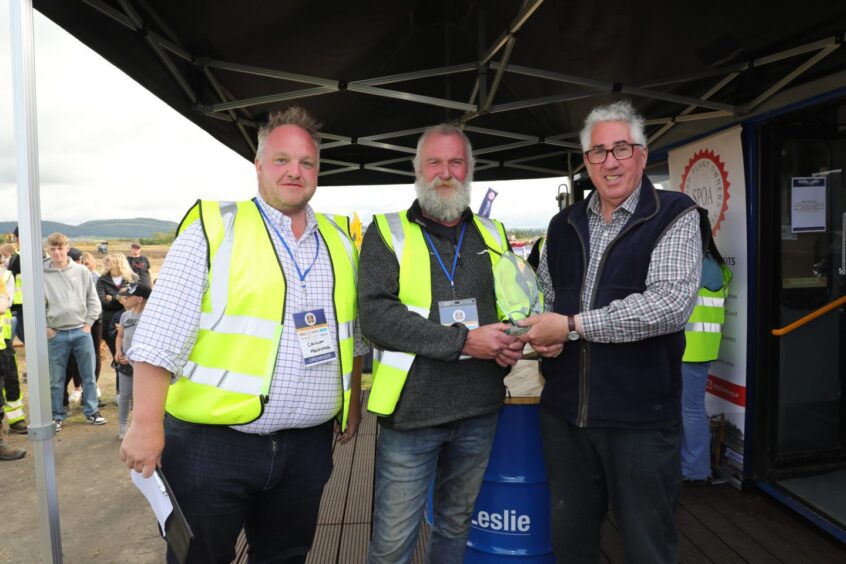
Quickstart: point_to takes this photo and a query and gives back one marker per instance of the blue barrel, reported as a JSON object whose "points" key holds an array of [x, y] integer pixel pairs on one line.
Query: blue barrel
{"points": [[510, 521]]}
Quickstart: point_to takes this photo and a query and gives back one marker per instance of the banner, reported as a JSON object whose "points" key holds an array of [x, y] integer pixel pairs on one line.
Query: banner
{"points": [[711, 172], [487, 203]]}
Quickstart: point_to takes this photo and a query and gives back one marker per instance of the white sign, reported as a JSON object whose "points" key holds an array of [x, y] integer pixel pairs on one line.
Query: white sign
{"points": [[711, 172], [807, 204]]}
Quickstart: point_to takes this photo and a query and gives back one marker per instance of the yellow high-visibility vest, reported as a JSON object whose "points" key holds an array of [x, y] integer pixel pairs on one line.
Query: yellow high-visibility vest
{"points": [[6, 318], [227, 377], [18, 297], [406, 241], [704, 330]]}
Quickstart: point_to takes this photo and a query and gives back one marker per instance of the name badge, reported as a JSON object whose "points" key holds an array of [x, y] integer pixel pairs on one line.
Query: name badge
{"points": [[459, 311], [315, 337]]}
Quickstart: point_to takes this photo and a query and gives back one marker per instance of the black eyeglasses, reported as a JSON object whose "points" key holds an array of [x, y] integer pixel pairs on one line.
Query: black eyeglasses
{"points": [[621, 152]]}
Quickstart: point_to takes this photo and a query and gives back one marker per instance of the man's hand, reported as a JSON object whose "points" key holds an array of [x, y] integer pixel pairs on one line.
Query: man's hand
{"points": [[549, 352], [511, 355], [51, 333], [546, 329], [141, 450], [86, 328], [353, 421], [487, 341]]}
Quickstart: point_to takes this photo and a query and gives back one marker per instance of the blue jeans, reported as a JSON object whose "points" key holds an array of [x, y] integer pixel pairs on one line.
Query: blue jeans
{"points": [[18, 324], [268, 484], [696, 434], [635, 470], [456, 455], [59, 348]]}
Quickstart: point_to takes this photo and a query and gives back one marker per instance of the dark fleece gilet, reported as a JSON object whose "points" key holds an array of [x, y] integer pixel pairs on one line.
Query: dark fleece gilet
{"points": [[635, 384]]}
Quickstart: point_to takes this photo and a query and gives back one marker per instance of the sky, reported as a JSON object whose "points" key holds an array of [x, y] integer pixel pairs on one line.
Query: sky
{"points": [[110, 149]]}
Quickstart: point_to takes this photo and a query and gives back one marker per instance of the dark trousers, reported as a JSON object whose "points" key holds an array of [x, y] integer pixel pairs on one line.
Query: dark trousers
{"points": [[636, 471], [268, 484], [9, 372]]}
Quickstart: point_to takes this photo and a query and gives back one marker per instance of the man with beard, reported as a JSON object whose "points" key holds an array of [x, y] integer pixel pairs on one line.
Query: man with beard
{"points": [[426, 297], [247, 342]]}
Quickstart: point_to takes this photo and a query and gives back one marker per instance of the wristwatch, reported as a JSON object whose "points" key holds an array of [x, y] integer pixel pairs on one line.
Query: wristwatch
{"points": [[572, 334]]}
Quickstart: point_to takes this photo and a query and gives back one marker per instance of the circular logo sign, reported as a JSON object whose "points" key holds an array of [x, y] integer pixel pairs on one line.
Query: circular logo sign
{"points": [[458, 315], [705, 179], [310, 318]]}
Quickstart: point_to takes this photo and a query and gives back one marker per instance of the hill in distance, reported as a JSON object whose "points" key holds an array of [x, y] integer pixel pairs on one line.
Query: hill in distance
{"points": [[103, 228]]}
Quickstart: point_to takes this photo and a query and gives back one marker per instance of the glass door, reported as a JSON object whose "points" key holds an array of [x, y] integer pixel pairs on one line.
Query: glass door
{"points": [[804, 369]]}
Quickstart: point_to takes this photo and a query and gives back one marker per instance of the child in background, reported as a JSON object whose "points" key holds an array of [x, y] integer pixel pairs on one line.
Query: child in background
{"points": [[134, 298]]}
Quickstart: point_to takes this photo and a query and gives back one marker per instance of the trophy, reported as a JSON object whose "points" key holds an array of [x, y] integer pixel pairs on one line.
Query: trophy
{"points": [[517, 292]]}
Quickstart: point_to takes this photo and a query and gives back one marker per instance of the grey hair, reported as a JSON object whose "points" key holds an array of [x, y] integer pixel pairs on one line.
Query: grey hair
{"points": [[294, 115], [446, 129], [618, 111]]}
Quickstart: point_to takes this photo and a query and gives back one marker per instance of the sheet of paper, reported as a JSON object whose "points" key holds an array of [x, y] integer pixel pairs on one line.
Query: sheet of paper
{"points": [[154, 490]]}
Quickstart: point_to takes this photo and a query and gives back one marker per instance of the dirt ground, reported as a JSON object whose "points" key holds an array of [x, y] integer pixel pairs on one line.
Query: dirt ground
{"points": [[102, 516]]}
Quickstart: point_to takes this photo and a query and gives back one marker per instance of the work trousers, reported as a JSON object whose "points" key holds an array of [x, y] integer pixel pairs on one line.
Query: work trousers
{"points": [[270, 485], [636, 471]]}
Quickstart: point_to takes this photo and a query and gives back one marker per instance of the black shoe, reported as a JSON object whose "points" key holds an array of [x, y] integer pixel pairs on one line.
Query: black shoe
{"points": [[19, 427], [96, 419]]}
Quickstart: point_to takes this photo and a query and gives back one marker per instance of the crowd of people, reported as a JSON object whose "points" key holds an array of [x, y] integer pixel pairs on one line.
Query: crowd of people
{"points": [[246, 359], [83, 306]]}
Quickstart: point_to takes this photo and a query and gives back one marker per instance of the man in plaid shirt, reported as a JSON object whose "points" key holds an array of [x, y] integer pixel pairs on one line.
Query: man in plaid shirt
{"points": [[619, 272]]}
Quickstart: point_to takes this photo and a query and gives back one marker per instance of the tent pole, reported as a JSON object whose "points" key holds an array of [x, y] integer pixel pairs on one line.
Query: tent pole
{"points": [[41, 427]]}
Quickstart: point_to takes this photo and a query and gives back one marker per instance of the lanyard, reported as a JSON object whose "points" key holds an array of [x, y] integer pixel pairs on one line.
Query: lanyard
{"points": [[449, 275], [302, 275]]}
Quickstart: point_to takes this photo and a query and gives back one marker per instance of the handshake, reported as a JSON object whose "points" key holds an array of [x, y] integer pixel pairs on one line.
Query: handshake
{"points": [[546, 332]]}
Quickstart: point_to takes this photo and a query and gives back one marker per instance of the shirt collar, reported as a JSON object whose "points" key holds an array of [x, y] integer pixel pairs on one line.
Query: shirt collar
{"points": [[283, 223], [629, 205]]}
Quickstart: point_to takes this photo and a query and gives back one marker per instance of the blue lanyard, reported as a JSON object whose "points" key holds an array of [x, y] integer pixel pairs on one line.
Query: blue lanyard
{"points": [[449, 275], [300, 273]]}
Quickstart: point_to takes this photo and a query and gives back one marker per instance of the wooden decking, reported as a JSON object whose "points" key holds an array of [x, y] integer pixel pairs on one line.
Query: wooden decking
{"points": [[717, 524]]}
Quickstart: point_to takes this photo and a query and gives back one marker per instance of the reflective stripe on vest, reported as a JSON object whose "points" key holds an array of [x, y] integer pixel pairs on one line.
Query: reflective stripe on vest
{"points": [[18, 298], [703, 331], [406, 241], [13, 410], [229, 370], [6, 319]]}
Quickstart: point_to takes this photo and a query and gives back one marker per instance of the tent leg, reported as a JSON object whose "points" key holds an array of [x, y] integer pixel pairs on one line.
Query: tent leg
{"points": [[42, 429]]}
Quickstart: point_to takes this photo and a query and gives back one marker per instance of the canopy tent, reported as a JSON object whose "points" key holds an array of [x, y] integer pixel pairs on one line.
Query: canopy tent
{"points": [[518, 75]]}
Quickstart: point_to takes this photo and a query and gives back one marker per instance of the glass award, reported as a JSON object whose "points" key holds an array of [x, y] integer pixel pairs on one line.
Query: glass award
{"points": [[517, 291]]}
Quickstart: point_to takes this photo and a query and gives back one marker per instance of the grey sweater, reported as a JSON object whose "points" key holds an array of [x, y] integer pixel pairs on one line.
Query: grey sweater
{"points": [[439, 388], [70, 295]]}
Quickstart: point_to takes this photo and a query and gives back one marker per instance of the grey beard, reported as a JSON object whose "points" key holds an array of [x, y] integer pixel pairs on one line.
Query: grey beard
{"points": [[448, 208]]}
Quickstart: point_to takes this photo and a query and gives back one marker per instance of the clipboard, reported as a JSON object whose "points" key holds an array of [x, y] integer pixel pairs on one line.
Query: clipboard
{"points": [[171, 522], [177, 533]]}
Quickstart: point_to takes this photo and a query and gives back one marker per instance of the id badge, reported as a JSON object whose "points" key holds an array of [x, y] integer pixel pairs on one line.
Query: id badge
{"points": [[459, 311], [315, 337]]}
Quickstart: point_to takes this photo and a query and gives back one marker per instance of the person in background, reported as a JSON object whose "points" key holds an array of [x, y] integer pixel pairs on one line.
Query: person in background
{"points": [[619, 273], [140, 265], [427, 302], [17, 301], [116, 275], [72, 374], [134, 299], [7, 452], [254, 378], [534, 255], [90, 262], [11, 387], [72, 308], [703, 334]]}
